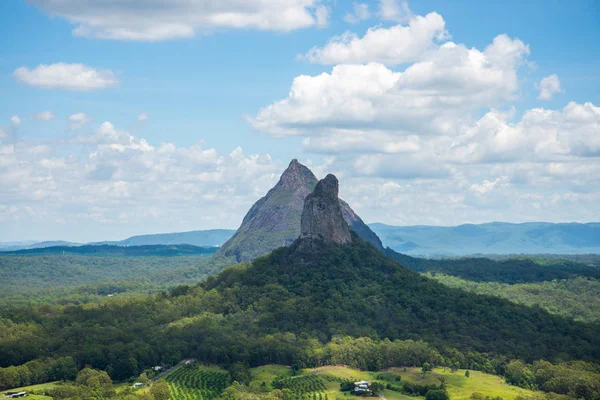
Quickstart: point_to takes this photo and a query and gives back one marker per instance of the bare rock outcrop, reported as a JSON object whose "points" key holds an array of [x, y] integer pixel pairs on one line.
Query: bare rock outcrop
{"points": [[322, 216]]}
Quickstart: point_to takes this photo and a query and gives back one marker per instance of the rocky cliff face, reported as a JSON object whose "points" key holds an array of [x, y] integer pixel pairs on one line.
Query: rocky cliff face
{"points": [[322, 217], [274, 220]]}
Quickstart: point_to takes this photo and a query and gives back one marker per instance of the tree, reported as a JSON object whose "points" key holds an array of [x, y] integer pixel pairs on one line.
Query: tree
{"points": [[438, 394], [377, 387], [518, 374], [426, 367], [160, 391]]}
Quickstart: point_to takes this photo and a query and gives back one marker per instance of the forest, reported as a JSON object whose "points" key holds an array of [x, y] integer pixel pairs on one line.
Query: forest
{"points": [[348, 305]]}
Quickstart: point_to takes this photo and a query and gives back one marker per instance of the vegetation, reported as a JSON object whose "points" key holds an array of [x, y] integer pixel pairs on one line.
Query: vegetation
{"points": [[330, 305], [75, 278], [197, 382], [577, 298], [517, 270]]}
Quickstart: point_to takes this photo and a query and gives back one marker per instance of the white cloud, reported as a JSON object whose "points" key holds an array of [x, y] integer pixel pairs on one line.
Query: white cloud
{"points": [[15, 120], [143, 117], [75, 77], [2, 133], [152, 21], [394, 10], [360, 12], [45, 115], [114, 179], [78, 120], [542, 135], [391, 46], [549, 86], [432, 96], [486, 186]]}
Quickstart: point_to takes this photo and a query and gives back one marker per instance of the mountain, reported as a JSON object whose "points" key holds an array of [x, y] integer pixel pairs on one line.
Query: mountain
{"points": [[210, 237], [203, 238], [492, 238], [274, 220], [13, 246], [327, 284], [322, 216], [118, 251]]}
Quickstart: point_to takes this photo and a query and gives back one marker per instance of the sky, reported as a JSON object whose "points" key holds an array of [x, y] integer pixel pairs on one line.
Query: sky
{"points": [[143, 116]]}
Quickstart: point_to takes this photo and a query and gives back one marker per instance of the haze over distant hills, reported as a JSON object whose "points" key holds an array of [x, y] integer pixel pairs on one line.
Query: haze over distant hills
{"points": [[468, 239], [200, 238], [492, 238]]}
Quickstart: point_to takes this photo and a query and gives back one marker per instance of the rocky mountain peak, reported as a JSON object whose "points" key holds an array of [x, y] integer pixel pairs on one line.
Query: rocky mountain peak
{"points": [[296, 176], [275, 219], [322, 216]]}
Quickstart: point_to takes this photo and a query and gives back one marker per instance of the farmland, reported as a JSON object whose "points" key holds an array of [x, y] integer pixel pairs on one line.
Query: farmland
{"points": [[197, 382]]}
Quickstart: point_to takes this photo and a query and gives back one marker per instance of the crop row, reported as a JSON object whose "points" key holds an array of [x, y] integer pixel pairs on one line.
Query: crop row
{"points": [[302, 384], [197, 383]]}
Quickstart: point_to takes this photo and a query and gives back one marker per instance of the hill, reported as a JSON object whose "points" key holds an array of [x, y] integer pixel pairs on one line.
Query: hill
{"points": [[274, 220], [492, 238], [329, 281], [89, 273], [113, 250], [201, 238], [514, 270], [354, 289]]}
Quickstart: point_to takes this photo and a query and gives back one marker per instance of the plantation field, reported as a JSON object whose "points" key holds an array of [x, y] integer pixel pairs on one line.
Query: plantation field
{"points": [[197, 382], [323, 383]]}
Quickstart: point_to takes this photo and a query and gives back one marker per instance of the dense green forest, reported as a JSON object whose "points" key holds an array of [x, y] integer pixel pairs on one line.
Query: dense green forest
{"points": [[577, 298], [294, 307], [76, 278], [514, 270], [82, 274]]}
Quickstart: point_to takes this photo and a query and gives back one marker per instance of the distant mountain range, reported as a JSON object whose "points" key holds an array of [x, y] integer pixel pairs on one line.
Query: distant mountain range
{"points": [[118, 251], [203, 238], [420, 240], [211, 237], [492, 238]]}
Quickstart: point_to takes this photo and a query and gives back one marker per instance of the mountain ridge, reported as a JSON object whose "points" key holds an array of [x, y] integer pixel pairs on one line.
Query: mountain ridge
{"points": [[274, 220], [491, 238]]}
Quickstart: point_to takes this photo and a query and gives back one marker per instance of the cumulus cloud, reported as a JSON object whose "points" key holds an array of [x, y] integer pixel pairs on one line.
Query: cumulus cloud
{"points": [[45, 115], [78, 120], [390, 46], [150, 21], [431, 96], [360, 12], [549, 86], [112, 178], [394, 10], [74, 77], [143, 117], [541, 134], [15, 120]]}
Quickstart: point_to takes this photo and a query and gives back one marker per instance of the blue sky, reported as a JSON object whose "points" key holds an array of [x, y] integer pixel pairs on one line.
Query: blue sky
{"points": [[419, 144]]}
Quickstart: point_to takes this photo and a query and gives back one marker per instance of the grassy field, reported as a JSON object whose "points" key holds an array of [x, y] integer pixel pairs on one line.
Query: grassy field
{"points": [[35, 389], [197, 382], [458, 385]]}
